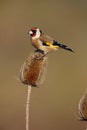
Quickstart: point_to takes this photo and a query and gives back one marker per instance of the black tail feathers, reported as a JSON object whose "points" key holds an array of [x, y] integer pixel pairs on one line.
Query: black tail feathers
{"points": [[62, 46]]}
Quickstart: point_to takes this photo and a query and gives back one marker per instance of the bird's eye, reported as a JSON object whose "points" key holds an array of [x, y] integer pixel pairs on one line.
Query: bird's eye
{"points": [[34, 31]]}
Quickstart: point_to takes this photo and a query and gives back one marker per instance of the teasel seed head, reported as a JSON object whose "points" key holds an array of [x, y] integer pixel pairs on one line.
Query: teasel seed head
{"points": [[33, 71]]}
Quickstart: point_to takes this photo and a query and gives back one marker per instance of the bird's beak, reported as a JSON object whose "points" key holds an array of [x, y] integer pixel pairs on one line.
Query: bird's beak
{"points": [[30, 32]]}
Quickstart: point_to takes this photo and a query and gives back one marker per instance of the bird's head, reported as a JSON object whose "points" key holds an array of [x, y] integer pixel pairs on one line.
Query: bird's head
{"points": [[35, 33]]}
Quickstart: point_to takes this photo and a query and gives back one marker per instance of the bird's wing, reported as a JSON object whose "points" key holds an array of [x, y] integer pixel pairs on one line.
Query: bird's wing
{"points": [[46, 39], [49, 41]]}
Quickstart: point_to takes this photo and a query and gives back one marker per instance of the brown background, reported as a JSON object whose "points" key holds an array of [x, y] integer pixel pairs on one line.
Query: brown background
{"points": [[53, 105]]}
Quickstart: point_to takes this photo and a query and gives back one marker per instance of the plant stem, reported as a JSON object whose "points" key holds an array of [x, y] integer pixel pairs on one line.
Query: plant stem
{"points": [[27, 107]]}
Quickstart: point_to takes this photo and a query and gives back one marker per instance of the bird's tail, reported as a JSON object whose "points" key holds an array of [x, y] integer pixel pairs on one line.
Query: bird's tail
{"points": [[62, 46]]}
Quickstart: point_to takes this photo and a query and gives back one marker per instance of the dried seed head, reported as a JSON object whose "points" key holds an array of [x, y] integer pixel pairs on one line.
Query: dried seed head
{"points": [[83, 107], [33, 71]]}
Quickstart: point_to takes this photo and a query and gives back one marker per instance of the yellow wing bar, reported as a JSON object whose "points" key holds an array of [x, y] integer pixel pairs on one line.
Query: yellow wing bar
{"points": [[51, 45]]}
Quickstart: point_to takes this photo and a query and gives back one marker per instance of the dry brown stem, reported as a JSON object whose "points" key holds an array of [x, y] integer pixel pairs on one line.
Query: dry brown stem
{"points": [[33, 73]]}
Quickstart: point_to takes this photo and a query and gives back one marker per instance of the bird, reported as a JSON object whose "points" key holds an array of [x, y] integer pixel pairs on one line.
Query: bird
{"points": [[44, 43]]}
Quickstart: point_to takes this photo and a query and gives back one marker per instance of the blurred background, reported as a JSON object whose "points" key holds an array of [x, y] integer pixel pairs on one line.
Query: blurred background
{"points": [[54, 105]]}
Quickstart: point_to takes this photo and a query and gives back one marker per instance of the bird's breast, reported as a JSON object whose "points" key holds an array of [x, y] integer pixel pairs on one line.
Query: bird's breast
{"points": [[37, 43]]}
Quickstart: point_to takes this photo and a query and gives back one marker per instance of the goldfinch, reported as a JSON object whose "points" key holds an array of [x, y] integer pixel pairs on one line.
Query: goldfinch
{"points": [[45, 43]]}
